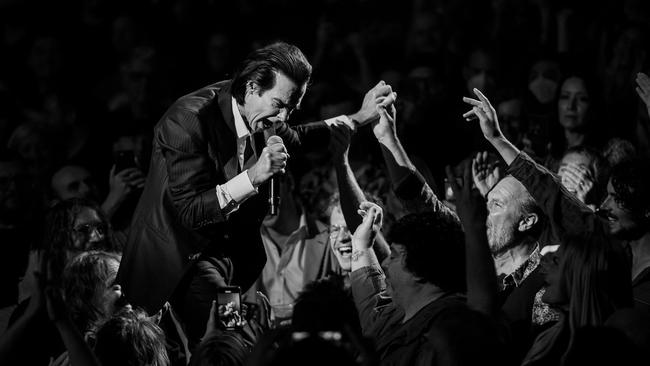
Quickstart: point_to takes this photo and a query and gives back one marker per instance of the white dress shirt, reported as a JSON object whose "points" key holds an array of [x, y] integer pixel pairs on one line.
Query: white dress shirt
{"points": [[235, 191]]}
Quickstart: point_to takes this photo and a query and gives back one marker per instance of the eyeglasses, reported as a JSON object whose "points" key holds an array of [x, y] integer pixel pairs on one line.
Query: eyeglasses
{"points": [[88, 229]]}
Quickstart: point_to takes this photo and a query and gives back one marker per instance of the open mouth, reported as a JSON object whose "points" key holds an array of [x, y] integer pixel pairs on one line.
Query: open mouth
{"points": [[344, 251]]}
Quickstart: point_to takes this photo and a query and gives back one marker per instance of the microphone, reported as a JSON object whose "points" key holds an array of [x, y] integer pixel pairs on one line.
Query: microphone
{"points": [[274, 183]]}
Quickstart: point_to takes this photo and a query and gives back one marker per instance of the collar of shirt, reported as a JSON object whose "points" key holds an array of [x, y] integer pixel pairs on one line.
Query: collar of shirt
{"points": [[301, 232], [296, 236], [519, 275], [240, 125]]}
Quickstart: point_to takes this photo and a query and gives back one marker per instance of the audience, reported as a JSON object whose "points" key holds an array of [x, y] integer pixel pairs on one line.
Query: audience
{"points": [[627, 210], [296, 250], [581, 172], [587, 282], [90, 291], [539, 252]]}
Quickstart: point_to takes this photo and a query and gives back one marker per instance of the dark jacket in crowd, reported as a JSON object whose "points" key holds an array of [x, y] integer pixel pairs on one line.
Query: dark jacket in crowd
{"points": [[444, 332]]}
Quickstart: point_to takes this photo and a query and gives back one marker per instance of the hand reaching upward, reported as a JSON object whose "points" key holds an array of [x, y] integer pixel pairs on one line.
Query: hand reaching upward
{"points": [[485, 175], [487, 116], [384, 127]]}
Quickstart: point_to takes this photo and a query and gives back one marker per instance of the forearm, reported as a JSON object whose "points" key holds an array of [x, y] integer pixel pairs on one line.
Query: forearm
{"points": [[397, 161], [362, 258], [350, 193], [567, 215], [505, 148], [480, 273], [408, 184], [381, 247], [111, 204], [366, 284]]}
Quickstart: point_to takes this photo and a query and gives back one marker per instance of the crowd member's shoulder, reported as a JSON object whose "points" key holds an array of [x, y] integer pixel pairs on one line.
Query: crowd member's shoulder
{"points": [[465, 336]]}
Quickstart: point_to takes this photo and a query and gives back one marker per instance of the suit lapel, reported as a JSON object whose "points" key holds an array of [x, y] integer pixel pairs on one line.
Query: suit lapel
{"points": [[225, 136]]}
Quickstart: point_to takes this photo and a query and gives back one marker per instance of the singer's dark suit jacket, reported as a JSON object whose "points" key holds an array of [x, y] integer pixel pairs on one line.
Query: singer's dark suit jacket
{"points": [[178, 216]]}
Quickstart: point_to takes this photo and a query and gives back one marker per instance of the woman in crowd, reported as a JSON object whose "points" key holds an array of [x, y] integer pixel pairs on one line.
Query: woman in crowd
{"points": [[576, 117], [588, 280], [91, 293], [581, 171]]}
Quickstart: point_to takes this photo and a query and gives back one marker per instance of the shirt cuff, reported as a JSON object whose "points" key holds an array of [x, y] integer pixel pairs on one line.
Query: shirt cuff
{"points": [[240, 187], [235, 191], [342, 118]]}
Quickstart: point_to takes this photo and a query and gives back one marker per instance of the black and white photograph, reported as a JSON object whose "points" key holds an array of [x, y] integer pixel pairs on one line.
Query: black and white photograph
{"points": [[324, 182]]}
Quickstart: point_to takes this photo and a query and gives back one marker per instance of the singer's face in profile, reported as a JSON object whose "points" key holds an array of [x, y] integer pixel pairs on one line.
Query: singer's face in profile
{"points": [[267, 108]]}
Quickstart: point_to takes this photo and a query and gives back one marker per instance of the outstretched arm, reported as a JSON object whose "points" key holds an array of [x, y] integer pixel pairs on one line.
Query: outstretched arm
{"points": [[487, 116], [479, 265], [351, 194], [409, 185], [367, 279], [565, 213]]}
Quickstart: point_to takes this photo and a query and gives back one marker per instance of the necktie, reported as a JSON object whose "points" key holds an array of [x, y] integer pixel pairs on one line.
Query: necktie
{"points": [[248, 153]]}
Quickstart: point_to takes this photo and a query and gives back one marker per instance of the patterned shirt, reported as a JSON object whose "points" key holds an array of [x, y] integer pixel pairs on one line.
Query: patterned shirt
{"points": [[514, 279]]}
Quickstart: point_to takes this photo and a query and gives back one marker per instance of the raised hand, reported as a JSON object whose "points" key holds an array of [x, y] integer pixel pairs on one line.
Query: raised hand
{"points": [[577, 179], [273, 159], [485, 175], [381, 94], [643, 89], [487, 116], [470, 206], [384, 127], [364, 236], [124, 182]]}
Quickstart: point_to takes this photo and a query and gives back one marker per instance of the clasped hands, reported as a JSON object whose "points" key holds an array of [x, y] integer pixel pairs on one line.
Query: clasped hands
{"points": [[380, 96]]}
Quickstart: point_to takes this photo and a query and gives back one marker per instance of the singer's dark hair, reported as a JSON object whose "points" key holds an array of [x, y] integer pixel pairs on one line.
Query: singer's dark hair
{"points": [[260, 67]]}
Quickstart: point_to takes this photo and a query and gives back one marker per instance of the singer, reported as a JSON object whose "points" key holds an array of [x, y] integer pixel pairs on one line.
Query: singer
{"points": [[197, 223]]}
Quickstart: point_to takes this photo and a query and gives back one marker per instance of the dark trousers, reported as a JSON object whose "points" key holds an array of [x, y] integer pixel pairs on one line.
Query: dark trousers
{"points": [[193, 298]]}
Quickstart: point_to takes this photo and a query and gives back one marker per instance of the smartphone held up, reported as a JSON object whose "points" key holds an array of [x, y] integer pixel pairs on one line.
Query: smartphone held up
{"points": [[229, 308]]}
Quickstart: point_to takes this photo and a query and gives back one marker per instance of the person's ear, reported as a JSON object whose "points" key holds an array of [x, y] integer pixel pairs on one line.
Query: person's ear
{"points": [[527, 222]]}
